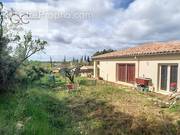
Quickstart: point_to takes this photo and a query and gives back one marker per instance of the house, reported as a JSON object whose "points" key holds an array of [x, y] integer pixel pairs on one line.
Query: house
{"points": [[158, 61], [56, 70], [86, 71]]}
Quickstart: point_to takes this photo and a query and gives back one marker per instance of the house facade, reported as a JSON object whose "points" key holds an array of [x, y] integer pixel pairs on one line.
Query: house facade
{"points": [[159, 62], [86, 71]]}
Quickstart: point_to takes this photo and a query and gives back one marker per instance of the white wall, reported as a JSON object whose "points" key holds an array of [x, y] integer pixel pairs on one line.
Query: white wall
{"points": [[108, 68], [145, 67], [149, 68]]}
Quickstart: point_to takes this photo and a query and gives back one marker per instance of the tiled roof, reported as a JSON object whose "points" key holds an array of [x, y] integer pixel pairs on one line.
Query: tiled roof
{"points": [[157, 48], [87, 67]]}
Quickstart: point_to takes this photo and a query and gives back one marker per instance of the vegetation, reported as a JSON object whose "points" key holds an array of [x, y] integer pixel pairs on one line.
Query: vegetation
{"points": [[101, 109], [103, 52], [44, 107], [70, 73], [13, 59]]}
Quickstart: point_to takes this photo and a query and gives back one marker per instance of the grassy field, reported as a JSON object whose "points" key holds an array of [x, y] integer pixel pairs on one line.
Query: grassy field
{"points": [[103, 109]]}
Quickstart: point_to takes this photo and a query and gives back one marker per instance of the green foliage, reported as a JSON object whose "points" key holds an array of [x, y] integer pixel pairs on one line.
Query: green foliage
{"points": [[70, 73], [31, 73], [103, 52], [87, 82], [36, 73], [7, 64], [26, 47], [10, 64], [1, 20], [176, 107], [101, 109]]}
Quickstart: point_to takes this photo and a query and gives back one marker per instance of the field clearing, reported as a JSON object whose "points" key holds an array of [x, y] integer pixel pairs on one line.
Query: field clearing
{"points": [[104, 109]]}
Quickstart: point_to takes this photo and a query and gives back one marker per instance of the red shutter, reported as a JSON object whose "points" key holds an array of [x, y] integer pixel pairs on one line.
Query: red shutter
{"points": [[122, 72], [130, 73], [126, 73]]}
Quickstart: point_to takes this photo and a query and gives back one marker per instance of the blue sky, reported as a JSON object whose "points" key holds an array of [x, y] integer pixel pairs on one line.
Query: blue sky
{"points": [[101, 24], [7, 0], [122, 3]]}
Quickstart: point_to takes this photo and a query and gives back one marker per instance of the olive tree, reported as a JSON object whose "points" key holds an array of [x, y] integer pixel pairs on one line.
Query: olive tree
{"points": [[70, 73], [26, 46]]}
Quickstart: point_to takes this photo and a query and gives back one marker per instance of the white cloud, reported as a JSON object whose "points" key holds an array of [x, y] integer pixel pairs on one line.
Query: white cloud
{"points": [[107, 27]]}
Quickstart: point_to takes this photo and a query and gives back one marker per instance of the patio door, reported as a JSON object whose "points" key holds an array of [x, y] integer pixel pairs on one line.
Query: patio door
{"points": [[173, 77], [131, 73], [164, 76], [168, 77], [122, 72], [126, 73]]}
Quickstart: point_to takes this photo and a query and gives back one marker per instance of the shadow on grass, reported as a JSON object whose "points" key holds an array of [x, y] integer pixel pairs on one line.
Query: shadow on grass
{"points": [[77, 115]]}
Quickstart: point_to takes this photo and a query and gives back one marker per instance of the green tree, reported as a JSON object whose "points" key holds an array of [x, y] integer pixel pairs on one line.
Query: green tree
{"points": [[1, 20], [70, 73], [36, 73], [85, 58], [81, 60], [73, 60], [103, 52], [88, 59], [26, 47], [64, 60]]}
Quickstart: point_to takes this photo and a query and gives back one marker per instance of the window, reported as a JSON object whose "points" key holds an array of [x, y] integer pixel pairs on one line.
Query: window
{"points": [[126, 73]]}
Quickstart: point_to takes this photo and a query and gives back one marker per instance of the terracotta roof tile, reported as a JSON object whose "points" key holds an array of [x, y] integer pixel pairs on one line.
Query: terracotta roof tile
{"points": [[157, 48]]}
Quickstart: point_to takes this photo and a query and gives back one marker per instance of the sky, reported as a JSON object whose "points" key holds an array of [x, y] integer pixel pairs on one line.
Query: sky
{"points": [[74, 28]]}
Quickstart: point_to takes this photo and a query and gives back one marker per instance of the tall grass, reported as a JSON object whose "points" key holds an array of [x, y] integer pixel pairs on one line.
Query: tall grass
{"points": [[100, 109]]}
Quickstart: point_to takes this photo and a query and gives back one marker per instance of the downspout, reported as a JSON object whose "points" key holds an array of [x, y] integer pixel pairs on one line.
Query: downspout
{"points": [[138, 66], [138, 63]]}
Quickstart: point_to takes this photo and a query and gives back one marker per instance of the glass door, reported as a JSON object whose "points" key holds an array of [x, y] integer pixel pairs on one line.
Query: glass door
{"points": [[173, 77], [164, 76], [168, 77]]}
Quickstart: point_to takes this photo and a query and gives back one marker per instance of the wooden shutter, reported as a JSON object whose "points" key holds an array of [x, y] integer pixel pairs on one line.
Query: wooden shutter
{"points": [[122, 72], [130, 73]]}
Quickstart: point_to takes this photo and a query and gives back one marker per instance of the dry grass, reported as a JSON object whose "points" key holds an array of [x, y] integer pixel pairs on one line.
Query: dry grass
{"points": [[104, 109], [124, 111]]}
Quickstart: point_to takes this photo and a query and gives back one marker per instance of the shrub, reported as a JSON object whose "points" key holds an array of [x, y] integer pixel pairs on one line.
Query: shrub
{"points": [[70, 73]]}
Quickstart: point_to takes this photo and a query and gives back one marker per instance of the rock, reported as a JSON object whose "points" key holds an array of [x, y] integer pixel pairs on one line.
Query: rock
{"points": [[19, 125], [175, 96]]}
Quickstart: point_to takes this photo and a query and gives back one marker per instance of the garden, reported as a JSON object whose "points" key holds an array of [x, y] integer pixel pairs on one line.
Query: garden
{"points": [[94, 108], [34, 101]]}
